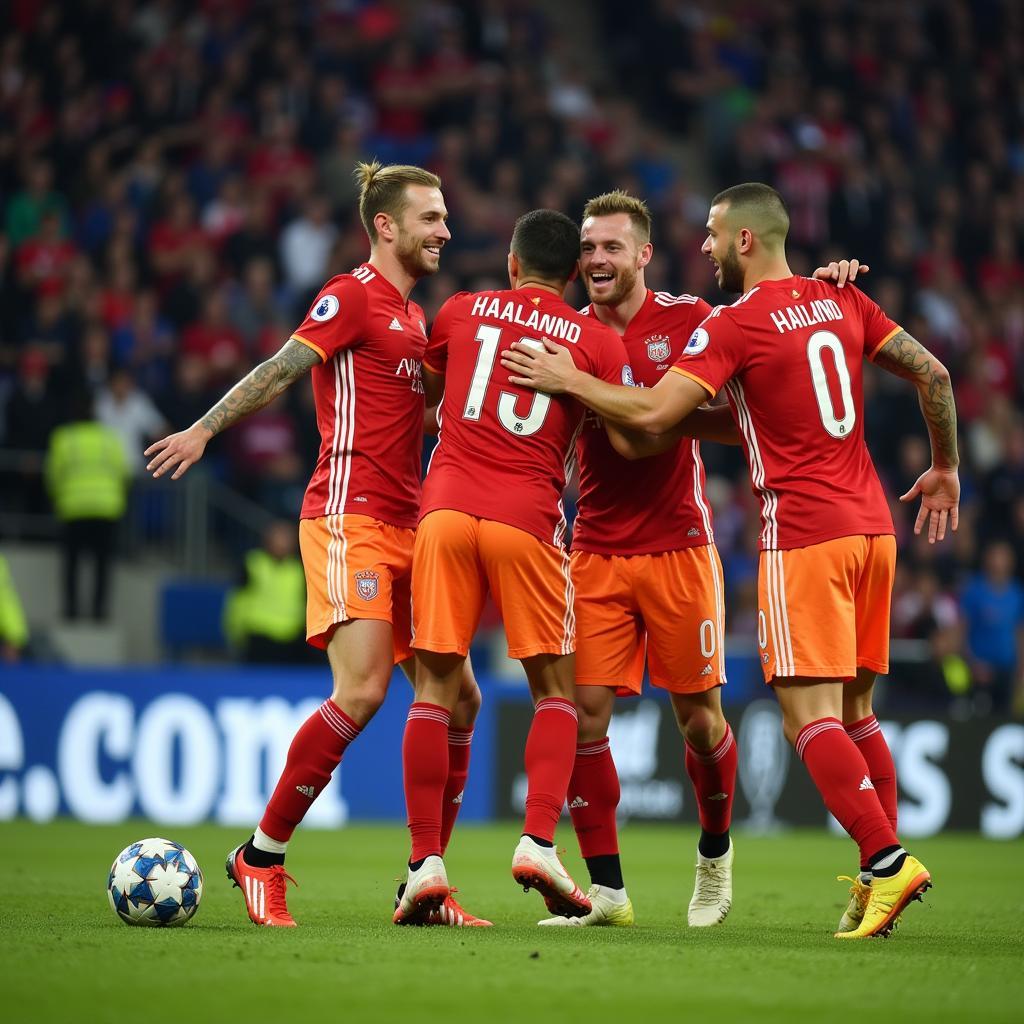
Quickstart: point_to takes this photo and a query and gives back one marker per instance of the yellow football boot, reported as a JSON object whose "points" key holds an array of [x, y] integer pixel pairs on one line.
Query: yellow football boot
{"points": [[888, 899]]}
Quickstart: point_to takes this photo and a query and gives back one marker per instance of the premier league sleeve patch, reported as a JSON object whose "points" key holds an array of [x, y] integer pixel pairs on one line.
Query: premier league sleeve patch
{"points": [[326, 308], [627, 376], [697, 343]]}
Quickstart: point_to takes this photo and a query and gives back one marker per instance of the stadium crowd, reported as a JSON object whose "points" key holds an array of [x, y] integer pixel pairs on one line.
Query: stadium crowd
{"points": [[175, 185]]}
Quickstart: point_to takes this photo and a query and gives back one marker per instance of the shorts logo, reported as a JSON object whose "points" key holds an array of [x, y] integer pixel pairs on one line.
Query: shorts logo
{"points": [[658, 348], [326, 308], [366, 584], [697, 343]]}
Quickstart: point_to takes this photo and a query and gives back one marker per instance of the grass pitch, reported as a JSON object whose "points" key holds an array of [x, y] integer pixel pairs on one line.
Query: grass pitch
{"points": [[65, 956]]}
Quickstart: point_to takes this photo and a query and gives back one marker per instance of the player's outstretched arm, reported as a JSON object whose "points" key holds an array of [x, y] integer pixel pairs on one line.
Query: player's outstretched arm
{"points": [[655, 410], [842, 272], [939, 485], [704, 424], [257, 389]]}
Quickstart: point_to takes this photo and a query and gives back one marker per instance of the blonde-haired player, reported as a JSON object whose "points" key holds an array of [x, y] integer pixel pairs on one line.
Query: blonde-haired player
{"points": [[363, 340]]}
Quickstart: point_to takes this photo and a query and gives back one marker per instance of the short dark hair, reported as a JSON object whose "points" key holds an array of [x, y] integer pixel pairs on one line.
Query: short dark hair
{"points": [[547, 243], [762, 205]]}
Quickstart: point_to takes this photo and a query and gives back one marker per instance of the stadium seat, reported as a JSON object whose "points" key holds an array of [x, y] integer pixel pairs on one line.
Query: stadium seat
{"points": [[191, 613]]}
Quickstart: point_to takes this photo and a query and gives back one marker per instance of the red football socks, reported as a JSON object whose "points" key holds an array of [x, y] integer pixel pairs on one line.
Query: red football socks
{"points": [[459, 741], [314, 753], [870, 740], [425, 771], [593, 798], [841, 775], [550, 751], [713, 774]]}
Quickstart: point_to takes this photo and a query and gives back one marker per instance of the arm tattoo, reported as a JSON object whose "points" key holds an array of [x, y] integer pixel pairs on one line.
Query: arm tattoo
{"points": [[262, 385], [909, 359]]}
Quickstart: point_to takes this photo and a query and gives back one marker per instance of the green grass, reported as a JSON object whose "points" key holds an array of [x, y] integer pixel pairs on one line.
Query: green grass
{"points": [[65, 956]]}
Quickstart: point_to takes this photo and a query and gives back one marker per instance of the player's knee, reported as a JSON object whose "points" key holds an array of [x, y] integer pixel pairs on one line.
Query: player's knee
{"points": [[702, 727], [468, 706], [593, 724], [360, 698]]}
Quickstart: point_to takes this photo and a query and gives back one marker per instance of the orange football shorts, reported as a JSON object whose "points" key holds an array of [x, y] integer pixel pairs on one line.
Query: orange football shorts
{"points": [[459, 558], [667, 608], [356, 568], [823, 610]]}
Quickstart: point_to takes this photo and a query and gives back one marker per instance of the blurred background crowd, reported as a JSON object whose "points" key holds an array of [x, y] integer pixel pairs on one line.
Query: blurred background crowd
{"points": [[176, 183]]}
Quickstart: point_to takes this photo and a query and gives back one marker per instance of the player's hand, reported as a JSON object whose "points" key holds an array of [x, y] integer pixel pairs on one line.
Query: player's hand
{"points": [[841, 272], [940, 501], [549, 369], [179, 450]]}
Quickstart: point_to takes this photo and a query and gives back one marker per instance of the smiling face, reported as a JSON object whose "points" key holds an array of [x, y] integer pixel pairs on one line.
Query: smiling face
{"points": [[421, 231], [720, 248], [611, 258]]}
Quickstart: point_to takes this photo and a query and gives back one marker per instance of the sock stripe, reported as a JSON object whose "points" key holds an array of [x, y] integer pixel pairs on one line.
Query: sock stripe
{"points": [[813, 730], [716, 754], [339, 721], [593, 749], [556, 704], [429, 713], [858, 731], [459, 737]]}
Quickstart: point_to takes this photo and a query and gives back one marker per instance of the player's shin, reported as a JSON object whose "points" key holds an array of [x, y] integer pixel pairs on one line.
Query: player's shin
{"points": [[459, 741], [593, 798], [713, 774], [550, 752], [841, 776], [425, 773], [315, 751]]}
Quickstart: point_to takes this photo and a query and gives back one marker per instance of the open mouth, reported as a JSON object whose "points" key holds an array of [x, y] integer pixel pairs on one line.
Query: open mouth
{"points": [[600, 280], [435, 249]]}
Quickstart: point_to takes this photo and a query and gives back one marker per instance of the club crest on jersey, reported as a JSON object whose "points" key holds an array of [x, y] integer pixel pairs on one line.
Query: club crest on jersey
{"points": [[697, 343], [366, 584], [326, 308], [658, 348]]}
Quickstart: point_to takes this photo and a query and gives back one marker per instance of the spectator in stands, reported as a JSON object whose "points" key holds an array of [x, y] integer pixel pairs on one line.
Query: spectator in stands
{"points": [[87, 474], [993, 607], [128, 411], [306, 244], [265, 618]]}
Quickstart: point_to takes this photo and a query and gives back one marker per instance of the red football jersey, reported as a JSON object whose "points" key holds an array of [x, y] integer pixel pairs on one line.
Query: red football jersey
{"points": [[644, 506], [504, 452], [790, 356], [369, 399]]}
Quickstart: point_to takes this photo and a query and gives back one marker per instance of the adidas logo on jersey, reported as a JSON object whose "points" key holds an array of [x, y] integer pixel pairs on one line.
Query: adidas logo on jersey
{"points": [[865, 783], [578, 802], [707, 670], [309, 791], [693, 532], [395, 325]]}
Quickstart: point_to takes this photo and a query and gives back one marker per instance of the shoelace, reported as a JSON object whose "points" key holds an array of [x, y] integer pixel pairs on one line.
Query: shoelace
{"points": [[859, 890], [277, 885], [710, 882]]}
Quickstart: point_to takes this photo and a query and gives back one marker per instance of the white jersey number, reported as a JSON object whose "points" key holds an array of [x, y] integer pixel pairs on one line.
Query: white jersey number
{"points": [[833, 425], [522, 426]]}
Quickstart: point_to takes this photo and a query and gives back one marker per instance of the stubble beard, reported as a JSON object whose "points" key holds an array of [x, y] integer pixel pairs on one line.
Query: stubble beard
{"points": [[625, 282]]}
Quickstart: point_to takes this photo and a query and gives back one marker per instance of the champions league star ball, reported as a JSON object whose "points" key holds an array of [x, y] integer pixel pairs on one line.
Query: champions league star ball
{"points": [[155, 882]]}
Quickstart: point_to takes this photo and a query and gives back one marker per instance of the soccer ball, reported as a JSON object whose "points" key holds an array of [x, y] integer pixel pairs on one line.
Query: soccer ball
{"points": [[155, 882]]}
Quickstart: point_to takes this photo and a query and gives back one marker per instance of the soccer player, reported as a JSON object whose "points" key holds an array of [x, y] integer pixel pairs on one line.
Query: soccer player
{"points": [[789, 353], [648, 580], [364, 340], [492, 520]]}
